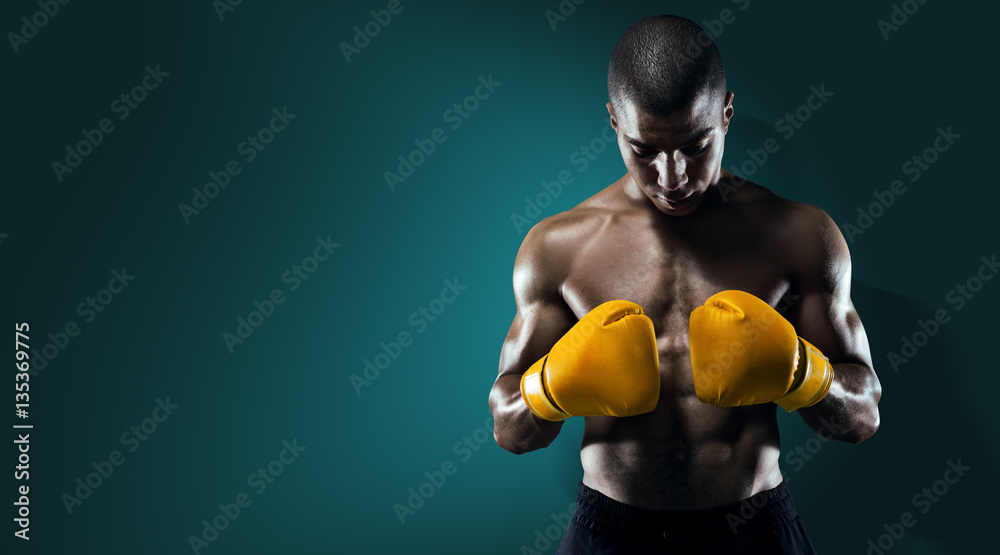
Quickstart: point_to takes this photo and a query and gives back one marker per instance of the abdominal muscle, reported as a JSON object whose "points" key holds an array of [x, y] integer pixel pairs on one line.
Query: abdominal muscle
{"points": [[683, 456]]}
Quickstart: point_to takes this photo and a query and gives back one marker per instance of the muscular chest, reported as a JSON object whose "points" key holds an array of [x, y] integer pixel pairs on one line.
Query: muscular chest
{"points": [[669, 272]]}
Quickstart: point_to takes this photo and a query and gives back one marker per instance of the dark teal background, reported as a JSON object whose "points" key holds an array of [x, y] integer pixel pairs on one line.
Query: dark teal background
{"points": [[323, 176]]}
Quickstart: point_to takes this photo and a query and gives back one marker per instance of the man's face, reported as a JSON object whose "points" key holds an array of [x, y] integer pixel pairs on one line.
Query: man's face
{"points": [[674, 159]]}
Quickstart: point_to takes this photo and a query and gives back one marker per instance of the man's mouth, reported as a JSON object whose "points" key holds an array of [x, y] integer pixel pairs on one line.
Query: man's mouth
{"points": [[678, 203]]}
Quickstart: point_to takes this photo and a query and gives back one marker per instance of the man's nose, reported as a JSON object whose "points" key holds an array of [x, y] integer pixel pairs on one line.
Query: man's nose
{"points": [[671, 171]]}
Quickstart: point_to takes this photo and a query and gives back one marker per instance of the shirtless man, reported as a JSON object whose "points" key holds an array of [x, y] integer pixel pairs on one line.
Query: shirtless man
{"points": [[667, 461]]}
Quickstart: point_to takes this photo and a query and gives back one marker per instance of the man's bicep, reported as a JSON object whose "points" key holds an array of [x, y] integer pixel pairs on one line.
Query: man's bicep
{"points": [[826, 316], [542, 314], [828, 320], [532, 335]]}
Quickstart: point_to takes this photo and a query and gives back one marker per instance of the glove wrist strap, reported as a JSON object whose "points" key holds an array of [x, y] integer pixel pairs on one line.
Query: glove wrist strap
{"points": [[817, 376], [534, 394]]}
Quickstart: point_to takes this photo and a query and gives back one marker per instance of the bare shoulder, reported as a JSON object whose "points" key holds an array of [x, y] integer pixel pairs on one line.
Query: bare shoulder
{"points": [[804, 235], [813, 243], [551, 246], [814, 226], [784, 218]]}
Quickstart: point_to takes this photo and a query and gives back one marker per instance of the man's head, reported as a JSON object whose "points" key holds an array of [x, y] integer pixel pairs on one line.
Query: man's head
{"points": [[671, 110]]}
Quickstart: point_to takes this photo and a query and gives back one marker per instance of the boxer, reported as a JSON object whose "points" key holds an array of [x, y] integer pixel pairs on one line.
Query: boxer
{"points": [[675, 311]]}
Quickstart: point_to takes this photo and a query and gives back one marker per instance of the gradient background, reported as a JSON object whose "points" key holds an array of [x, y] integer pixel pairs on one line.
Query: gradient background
{"points": [[323, 176]]}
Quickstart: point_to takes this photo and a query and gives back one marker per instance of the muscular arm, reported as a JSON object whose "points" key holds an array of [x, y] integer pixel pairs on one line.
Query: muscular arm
{"points": [[826, 317], [542, 318]]}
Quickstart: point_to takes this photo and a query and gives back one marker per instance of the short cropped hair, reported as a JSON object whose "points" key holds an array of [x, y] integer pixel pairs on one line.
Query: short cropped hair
{"points": [[662, 63]]}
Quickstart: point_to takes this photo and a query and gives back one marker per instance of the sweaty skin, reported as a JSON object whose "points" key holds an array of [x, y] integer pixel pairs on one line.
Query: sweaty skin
{"points": [[630, 242]]}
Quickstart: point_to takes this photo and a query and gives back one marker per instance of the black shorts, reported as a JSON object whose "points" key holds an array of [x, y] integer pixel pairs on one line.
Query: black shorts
{"points": [[764, 523]]}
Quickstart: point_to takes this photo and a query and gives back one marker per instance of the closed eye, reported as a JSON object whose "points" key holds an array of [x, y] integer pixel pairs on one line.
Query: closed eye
{"points": [[690, 151], [697, 149]]}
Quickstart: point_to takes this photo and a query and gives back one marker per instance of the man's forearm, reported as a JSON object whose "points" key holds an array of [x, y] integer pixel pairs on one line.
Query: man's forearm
{"points": [[515, 427], [849, 411]]}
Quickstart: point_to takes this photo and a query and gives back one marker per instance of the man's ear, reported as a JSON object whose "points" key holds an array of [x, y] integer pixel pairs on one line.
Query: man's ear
{"points": [[727, 113], [614, 120]]}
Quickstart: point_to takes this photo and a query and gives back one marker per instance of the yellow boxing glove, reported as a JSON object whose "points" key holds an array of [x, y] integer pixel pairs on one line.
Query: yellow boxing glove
{"points": [[606, 364], [744, 353]]}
